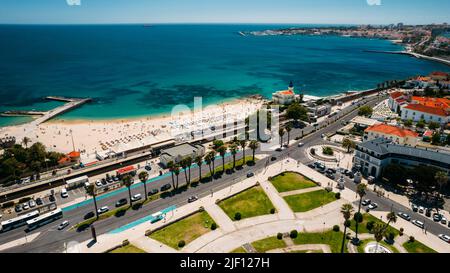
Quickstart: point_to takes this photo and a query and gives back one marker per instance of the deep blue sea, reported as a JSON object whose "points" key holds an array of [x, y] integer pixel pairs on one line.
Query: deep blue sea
{"points": [[132, 70]]}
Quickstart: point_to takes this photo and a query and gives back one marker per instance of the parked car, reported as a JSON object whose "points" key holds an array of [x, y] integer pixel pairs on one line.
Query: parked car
{"points": [[278, 150], [121, 202], [445, 238], [373, 206], [103, 210], [18, 208], [415, 208], [250, 175], [115, 178], [192, 199], [418, 223], [301, 144], [153, 192], [32, 203], [366, 202], [136, 197], [52, 198], [25, 206], [64, 193], [331, 170], [98, 183], [421, 209], [89, 215], [273, 158], [331, 176], [311, 165], [39, 201], [404, 216], [428, 212], [437, 217], [444, 220], [63, 225], [103, 181], [166, 187], [351, 175], [148, 167]]}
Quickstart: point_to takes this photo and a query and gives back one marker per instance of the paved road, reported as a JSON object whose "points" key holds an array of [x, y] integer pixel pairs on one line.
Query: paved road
{"points": [[51, 240]]}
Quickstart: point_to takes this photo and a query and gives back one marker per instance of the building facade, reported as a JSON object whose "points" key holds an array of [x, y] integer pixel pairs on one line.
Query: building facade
{"points": [[395, 134], [284, 97], [371, 157], [177, 153]]}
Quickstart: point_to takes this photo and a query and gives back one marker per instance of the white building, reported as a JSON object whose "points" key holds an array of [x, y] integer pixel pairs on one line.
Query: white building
{"points": [[416, 112], [284, 97]]}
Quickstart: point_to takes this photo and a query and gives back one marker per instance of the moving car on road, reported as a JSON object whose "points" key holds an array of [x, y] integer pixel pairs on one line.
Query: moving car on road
{"points": [[301, 144], [103, 210], [373, 206], [166, 187], [121, 202], [192, 199], [366, 202], [153, 192], [63, 225], [136, 197]]}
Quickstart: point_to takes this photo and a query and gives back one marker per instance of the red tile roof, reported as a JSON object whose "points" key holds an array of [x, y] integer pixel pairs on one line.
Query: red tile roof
{"points": [[396, 94], [427, 109], [432, 102], [391, 130], [439, 73], [286, 92], [74, 154]]}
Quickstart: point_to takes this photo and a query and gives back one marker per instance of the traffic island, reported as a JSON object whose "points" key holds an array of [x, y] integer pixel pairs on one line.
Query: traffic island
{"points": [[309, 201]]}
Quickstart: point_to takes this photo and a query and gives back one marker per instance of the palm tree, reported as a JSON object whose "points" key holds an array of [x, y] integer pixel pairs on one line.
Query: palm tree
{"points": [[234, 150], [183, 166], [361, 191], [254, 145], [199, 161], [176, 170], [288, 130], [281, 134], [143, 176], [171, 166], [378, 232], [25, 141], [347, 211], [90, 190], [128, 181], [243, 143], [348, 144], [391, 217], [189, 165], [208, 160], [222, 151]]}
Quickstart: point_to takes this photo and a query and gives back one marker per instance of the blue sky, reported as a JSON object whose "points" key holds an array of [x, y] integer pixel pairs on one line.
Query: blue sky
{"points": [[225, 11]]}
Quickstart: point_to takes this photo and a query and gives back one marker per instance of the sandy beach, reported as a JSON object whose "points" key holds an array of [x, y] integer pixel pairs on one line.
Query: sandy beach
{"points": [[96, 136]]}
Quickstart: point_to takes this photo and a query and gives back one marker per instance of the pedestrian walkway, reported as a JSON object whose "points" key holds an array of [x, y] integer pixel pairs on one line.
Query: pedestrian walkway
{"points": [[289, 193], [19, 242], [283, 209], [311, 248], [220, 217], [149, 245]]}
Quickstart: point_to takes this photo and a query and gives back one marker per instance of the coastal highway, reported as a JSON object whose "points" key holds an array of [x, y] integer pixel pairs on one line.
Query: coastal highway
{"points": [[52, 240]]}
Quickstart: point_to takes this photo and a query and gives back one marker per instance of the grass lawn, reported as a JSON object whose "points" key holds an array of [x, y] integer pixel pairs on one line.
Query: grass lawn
{"points": [[362, 228], [306, 251], [363, 244], [308, 201], [331, 238], [249, 203], [417, 247], [239, 250], [291, 181], [268, 244], [187, 229], [128, 249]]}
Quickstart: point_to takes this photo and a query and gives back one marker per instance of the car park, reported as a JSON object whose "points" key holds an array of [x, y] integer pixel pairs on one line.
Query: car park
{"points": [[166, 187], [121, 202], [418, 223], [63, 225], [366, 202], [444, 238], [103, 210], [136, 197], [192, 199], [373, 206], [404, 216]]}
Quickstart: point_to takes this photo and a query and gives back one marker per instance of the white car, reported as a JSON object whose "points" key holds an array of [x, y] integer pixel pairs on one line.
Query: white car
{"points": [[443, 220], [301, 144], [25, 206], [98, 183], [63, 225], [103, 210], [136, 197], [373, 206], [64, 193], [418, 223], [421, 209], [444, 238], [31, 203]]}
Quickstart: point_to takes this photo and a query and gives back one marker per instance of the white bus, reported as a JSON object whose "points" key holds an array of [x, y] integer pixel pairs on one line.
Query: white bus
{"points": [[44, 219], [77, 182], [18, 221]]}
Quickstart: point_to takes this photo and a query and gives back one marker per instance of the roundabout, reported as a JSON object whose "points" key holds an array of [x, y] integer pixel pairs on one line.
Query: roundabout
{"points": [[374, 247]]}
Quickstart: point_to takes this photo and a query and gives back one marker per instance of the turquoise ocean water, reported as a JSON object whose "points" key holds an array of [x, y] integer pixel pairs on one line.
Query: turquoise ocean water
{"points": [[133, 71]]}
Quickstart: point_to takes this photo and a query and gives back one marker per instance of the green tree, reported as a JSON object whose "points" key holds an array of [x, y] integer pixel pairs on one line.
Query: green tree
{"points": [[254, 146], [234, 150], [432, 125], [365, 110], [171, 167], [143, 176], [281, 134], [441, 179], [378, 231], [408, 123], [421, 124], [347, 211], [392, 218], [436, 138], [90, 190], [348, 144], [188, 161], [243, 144], [288, 130], [361, 191], [176, 171], [217, 143], [396, 174], [296, 112], [127, 182], [26, 141]]}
